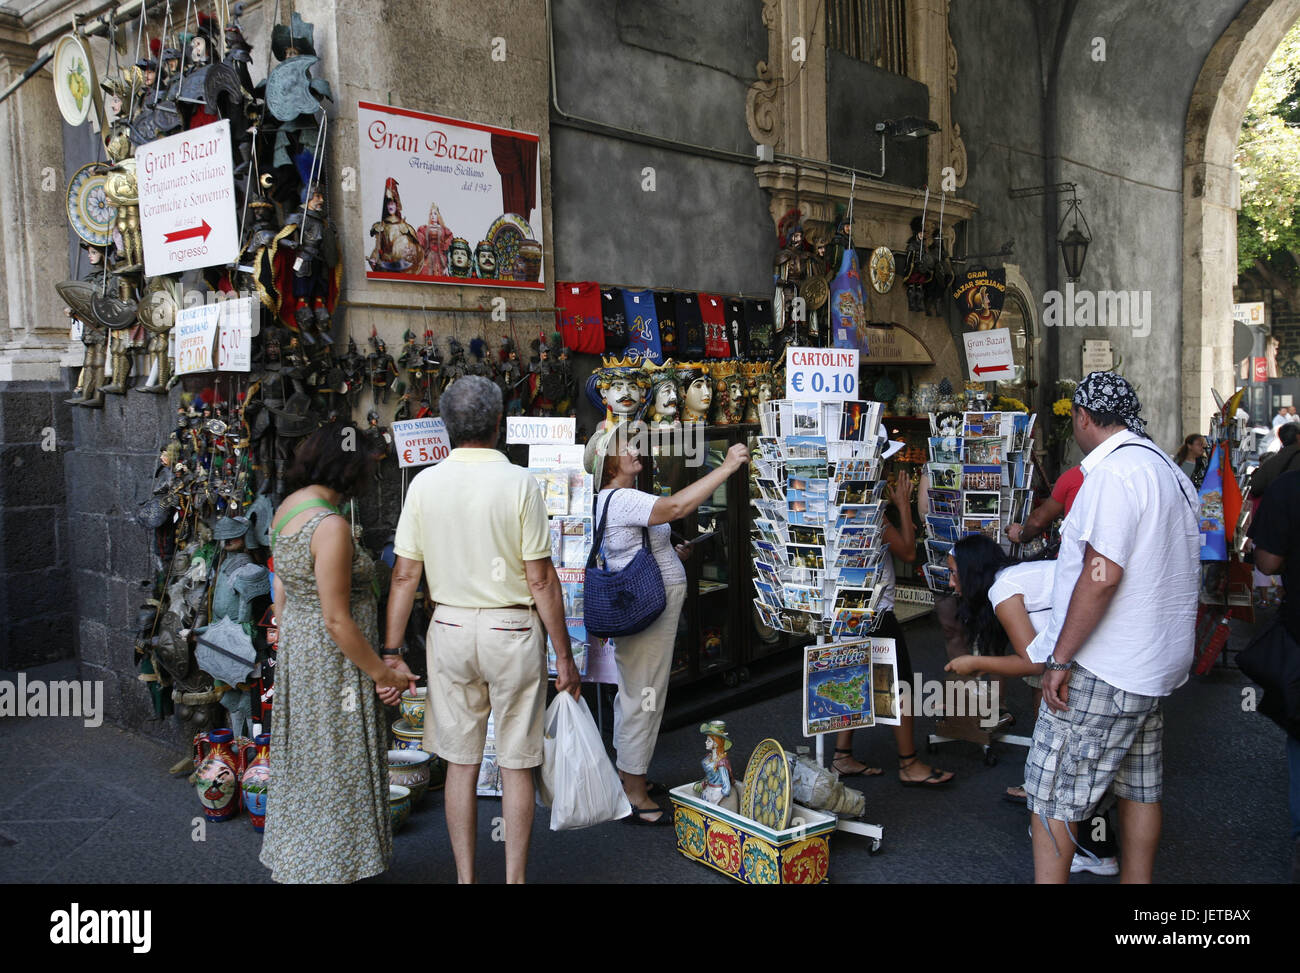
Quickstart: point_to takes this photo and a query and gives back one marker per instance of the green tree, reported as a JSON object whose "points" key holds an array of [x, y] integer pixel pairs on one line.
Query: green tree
{"points": [[1268, 158]]}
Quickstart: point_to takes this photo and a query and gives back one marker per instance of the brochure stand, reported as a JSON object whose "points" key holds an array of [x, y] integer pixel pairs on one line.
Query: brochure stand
{"points": [[980, 469], [819, 527]]}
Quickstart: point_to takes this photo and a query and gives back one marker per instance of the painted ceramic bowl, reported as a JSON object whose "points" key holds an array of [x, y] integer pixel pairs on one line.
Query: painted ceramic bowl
{"points": [[399, 806], [412, 707], [405, 736], [410, 769]]}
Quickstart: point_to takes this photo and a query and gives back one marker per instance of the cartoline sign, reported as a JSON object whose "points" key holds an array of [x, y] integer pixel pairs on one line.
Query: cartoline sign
{"points": [[445, 201], [187, 200]]}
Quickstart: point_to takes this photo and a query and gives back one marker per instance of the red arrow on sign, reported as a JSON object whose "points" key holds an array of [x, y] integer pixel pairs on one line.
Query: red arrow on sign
{"points": [[202, 230], [981, 369]]}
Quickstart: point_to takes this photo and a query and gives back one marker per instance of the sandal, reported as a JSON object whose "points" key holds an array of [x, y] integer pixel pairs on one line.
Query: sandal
{"points": [[654, 788], [1011, 797], [864, 772], [638, 817], [936, 778]]}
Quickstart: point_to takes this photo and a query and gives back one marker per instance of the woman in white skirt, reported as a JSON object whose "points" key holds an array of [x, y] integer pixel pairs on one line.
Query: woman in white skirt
{"points": [[644, 660]]}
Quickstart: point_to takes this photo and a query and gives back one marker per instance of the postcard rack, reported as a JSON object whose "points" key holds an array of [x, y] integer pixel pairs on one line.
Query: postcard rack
{"points": [[818, 528]]}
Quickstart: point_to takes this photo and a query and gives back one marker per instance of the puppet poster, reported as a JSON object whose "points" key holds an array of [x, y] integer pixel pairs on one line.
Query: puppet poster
{"points": [[449, 202]]}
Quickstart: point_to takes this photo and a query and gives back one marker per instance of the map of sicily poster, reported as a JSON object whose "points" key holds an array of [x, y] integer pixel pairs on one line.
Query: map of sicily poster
{"points": [[837, 692]]}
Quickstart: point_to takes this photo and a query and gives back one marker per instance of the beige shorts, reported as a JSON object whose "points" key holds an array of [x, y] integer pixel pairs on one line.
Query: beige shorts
{"points": [[486, 661]]}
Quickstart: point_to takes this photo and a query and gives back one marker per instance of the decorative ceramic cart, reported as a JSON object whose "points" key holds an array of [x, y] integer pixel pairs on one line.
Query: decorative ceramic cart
{"points": [[747, 851]]}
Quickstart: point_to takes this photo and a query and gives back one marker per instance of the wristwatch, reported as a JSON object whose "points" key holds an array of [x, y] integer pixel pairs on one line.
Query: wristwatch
{"points": [[400, 650], [1052, 664]]}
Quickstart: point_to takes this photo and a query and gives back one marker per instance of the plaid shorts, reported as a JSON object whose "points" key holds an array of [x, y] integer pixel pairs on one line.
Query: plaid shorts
{"points": [[1107, 738]]}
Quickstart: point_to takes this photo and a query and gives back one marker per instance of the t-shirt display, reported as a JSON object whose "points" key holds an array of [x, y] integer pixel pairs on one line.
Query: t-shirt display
{"points": [[690, 326], [717, 344], [580, 316], [736, 327], [759, 327], [614, 318], [666, 312], [642, 325]]}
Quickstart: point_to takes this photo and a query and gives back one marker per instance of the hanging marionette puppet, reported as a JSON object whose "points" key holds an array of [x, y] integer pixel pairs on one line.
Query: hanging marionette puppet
{"points": [[306, 258]]}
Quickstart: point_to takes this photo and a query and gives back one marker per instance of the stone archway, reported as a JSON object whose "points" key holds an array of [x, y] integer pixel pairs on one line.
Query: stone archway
{"points": [[1211, 198]]}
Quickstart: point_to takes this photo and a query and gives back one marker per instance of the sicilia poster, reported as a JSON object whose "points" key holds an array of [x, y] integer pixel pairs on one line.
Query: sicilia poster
{"points": [[447, 201]]}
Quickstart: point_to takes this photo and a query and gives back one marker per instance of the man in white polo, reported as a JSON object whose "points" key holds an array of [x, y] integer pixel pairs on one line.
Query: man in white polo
{"points": [[476, 524], [1120, 636]]}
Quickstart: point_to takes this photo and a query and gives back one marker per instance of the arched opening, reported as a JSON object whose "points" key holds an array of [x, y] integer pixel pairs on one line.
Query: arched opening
{"points": [[1211, 198]]}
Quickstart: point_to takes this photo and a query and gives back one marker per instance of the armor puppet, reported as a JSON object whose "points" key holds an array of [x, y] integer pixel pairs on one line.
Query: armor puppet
{"points": [[510, 376], [94, 336], [354, 372], [309, 234], [157, 315], [697, 391], [454, 367], [920, 265], [381, 368], [479, 364], [552, 381]]}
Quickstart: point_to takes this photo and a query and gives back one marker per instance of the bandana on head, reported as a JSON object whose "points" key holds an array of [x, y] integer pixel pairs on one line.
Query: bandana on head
{"points": [[1108, 392]]}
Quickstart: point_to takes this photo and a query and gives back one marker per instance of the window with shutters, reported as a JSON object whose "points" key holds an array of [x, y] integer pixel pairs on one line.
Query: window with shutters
{"points": [[874, 31]]}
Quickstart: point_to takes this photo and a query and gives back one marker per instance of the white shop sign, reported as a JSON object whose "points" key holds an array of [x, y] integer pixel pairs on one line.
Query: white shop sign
{"points": [[187, 200], [548, 456], [1097, 356], [821, 374], [419, 442], [1251, 312], [541, 430], [988, 355], [215, 337]]}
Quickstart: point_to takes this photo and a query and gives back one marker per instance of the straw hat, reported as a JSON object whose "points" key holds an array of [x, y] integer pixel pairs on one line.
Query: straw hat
{"points": [[593, 457]]}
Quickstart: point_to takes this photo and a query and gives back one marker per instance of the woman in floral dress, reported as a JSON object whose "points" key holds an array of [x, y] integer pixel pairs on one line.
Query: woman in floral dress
{"points": [[327, 802]]}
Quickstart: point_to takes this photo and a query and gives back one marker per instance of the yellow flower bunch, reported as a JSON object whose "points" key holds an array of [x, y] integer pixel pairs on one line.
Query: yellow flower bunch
{"points": [[1061, 407], [1007, 404]]}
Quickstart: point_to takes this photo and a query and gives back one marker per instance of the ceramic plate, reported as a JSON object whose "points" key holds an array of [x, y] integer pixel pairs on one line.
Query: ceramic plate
{"points": [[89, 211], [74, 79], [767, 786], [882, 269]]}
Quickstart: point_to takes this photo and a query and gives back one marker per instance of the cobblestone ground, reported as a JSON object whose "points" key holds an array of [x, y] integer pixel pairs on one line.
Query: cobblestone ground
{"points": [[97, 805]]}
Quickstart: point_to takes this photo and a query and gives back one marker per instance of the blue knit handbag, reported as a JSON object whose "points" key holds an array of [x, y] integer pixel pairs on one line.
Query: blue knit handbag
{"points": [[622, 602]]}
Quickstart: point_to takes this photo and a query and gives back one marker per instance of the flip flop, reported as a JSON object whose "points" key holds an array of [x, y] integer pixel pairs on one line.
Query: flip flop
{"points": [[1020, 799], [636, 817], [936, 778]]}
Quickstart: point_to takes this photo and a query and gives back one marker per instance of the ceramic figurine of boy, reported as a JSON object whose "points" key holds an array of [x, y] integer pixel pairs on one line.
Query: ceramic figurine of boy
{"points": [[716, 787]]}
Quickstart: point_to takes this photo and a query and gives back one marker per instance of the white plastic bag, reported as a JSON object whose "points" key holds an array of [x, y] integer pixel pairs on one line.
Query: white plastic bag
{"points": [[578, 781]]}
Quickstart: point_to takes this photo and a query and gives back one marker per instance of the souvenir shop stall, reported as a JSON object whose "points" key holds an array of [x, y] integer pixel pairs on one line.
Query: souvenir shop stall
{"points": [[1227, 579]]}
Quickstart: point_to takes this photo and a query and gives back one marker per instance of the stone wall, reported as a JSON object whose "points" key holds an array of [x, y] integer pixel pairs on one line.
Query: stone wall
{"points": [[39, 616]]}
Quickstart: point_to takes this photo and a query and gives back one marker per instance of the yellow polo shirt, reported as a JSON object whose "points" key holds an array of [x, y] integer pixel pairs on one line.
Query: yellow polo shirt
{"points": [[474, 519]]}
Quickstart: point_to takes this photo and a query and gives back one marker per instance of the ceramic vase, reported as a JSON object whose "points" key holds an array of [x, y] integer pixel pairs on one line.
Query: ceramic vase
{"points": [[217, 765], [256, 776], [903, 405], [410, 769], [405, 736], [412, 708], [399, 806]]}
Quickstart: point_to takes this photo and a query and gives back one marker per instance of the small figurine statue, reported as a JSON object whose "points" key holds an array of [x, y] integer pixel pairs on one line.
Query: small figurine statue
{"points": [[510, 377], [378, 439], [920, 265], [716, 787], [354, 371], [158, 315]]}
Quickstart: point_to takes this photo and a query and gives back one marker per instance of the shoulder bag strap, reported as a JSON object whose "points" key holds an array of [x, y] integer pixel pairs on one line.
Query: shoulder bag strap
{"points": [[598, 538], [305, 505], [1195, 507]]}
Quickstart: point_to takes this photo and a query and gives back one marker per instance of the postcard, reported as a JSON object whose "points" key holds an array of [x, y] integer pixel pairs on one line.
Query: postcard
{"points": [[983, 452], [768, 448], [946, 502], [853, 492], [851, 624], [990, 527], [806, 556], [941, 528], [806, 448], [854, 421], [944, 476], [769, 489], [856, 599], [945, 449], [802, 597], [981, 503], [981, 424], [837, 690], [975, 477], [936, 576], [801, 534], [806, 419], [862, 577], [885, 687], [937, 551]]}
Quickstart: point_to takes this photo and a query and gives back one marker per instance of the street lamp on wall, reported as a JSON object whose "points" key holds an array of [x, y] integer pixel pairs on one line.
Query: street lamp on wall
{"points": [[906, 127], [1074, 243]]}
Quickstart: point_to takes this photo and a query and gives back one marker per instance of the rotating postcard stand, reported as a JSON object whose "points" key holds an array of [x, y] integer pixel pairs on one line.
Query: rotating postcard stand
{"points": [[980, 469], [818, 544]]}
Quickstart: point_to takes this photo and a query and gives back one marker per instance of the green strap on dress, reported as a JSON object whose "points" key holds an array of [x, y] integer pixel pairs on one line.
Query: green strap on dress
{"points": [[305, 505]]}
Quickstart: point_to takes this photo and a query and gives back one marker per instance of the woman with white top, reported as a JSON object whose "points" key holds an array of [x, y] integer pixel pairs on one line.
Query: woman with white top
{"points": [[644, 660]]}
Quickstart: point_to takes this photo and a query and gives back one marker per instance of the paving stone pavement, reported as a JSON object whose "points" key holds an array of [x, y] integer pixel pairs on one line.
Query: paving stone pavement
{"points": [[97, 806]]}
